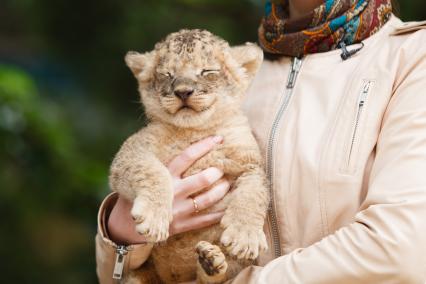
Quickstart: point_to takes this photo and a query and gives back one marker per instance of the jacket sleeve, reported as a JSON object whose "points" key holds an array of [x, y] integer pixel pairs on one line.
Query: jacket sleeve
{"points": [[106, 249], [386, 243]]}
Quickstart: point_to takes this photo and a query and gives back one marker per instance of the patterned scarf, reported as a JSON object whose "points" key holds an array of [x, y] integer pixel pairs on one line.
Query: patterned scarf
{"points": [[323, 29]]}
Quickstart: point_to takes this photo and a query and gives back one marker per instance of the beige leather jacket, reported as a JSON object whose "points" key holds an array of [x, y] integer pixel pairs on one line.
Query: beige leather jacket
{"points": [[345, 149]]}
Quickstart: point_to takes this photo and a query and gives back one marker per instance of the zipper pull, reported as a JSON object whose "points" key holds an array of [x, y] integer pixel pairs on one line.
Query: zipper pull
{"points": [[121, 253], [365, 91], [295, 68]]}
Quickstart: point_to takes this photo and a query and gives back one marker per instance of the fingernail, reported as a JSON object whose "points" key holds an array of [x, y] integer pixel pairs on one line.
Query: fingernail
{"points": [[217, 139], [214, 174], [225, 183]]}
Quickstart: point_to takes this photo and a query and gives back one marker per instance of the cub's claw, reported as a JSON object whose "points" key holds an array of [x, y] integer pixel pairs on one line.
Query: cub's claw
{"points": [[244, 243]]}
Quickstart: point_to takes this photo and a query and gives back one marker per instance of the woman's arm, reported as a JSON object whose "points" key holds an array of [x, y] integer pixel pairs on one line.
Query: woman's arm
{"points": [[386, 243], [116, 226], [106, 249]]}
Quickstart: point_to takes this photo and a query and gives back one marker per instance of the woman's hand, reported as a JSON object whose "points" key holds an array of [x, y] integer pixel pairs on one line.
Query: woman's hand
{"points": [[121, 226]]}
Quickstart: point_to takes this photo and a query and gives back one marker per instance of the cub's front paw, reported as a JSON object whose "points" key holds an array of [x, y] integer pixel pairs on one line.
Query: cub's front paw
{"points": [[151, 221], [244, 242], [211, 263]]}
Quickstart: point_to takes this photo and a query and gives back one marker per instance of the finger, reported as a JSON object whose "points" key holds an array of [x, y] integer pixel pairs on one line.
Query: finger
{"points": [[196, 222], [182, 162], [197, 182], [187, 206], [212, 196]]}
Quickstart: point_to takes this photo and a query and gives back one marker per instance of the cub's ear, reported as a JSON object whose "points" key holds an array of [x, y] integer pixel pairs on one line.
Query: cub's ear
{"points": [[249, 57], [139, 63]]}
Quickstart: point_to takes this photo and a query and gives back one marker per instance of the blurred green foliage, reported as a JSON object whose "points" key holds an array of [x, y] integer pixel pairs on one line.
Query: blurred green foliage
{"points": [[67, 101]]}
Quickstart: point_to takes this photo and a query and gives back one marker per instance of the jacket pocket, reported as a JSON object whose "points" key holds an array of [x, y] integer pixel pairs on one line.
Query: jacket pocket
{"points": [[354, 141]]}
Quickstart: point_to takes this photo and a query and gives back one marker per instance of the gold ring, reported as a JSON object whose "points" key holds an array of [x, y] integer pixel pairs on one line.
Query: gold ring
{"points": [[194, 202]]}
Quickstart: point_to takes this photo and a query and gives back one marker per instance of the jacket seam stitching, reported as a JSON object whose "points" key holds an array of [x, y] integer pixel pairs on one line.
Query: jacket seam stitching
{"points": [[323, 193]]}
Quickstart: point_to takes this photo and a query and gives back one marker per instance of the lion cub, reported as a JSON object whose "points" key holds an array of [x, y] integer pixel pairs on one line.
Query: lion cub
{"points": [[191, 86]]}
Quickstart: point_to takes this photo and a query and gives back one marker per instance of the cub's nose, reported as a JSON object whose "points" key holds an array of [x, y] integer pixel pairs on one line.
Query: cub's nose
{"points": [[183, 94]]}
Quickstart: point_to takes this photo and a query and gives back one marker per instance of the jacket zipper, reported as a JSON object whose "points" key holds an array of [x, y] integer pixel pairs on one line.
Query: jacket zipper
{"points": [[361, 103], [120, 252], [291, 81]]}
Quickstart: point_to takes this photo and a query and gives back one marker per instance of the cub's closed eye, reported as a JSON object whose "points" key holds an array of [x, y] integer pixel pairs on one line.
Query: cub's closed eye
{"points": [[165, 74], [206, 72]]}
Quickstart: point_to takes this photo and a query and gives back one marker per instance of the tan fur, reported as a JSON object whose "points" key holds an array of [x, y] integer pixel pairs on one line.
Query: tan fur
{"points": [[218, 76]]}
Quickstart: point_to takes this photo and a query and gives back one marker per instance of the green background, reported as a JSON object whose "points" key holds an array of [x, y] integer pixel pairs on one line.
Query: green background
{"points": [[67, 101]]}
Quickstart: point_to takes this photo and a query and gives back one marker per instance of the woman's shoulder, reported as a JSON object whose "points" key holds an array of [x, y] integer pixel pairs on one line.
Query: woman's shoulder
{"points": [[401, 28], [406, 46], [408, 36]]}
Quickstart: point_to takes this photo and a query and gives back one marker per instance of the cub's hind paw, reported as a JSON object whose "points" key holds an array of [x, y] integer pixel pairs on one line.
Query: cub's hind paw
{"points": [[152, 222], [212, 265]]}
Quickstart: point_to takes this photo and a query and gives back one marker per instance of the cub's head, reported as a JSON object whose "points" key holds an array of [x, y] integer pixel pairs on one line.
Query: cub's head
{"points": [[193, 75]]}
